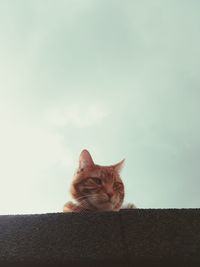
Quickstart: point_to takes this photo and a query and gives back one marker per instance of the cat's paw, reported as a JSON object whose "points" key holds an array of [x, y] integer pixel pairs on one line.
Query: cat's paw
{"points": [[69, 207], [129, 206]]}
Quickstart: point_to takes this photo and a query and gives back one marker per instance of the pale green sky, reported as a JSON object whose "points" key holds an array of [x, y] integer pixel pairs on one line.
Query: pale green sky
{"points": [[120, 78]]}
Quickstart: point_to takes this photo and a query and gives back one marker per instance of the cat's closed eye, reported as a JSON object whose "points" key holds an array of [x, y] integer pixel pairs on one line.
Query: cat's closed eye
{"points": [[96, 180], [96, 187]]}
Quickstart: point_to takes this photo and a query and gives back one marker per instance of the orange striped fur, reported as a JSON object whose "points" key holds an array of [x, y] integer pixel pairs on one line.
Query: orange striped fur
{"points": [[95, 187]]}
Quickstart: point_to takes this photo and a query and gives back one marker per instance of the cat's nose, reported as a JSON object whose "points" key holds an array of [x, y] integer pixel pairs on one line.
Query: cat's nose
{"points": [[110, 194]]}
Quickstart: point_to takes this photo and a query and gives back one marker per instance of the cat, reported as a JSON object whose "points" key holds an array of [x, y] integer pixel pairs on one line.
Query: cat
{"points": [[95, 187]]}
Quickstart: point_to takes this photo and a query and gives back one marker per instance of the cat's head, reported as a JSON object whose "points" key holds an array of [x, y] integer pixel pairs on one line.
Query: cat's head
{"points": [[97, 187]]}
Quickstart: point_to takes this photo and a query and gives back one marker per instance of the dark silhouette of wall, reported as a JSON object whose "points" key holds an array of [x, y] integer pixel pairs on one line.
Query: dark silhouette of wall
{"points": [[139, 237]]}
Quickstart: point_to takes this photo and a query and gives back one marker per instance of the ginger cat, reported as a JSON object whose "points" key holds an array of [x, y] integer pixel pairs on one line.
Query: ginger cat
{"points": [[95, 187]]}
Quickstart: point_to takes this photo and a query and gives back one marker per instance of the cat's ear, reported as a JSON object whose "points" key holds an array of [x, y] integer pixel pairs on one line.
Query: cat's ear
{"points": [[118, 167], [85, 160]]}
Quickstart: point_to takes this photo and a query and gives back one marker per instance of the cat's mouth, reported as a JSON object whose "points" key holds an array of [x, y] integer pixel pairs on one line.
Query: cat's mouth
{"points": [[101, 201], [104, 205], [105, 202]]}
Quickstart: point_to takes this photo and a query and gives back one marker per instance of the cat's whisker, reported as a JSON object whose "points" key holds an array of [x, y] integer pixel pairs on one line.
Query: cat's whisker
{"points": [[85, 196], [91, 196], [84, 205], [91, 181]]}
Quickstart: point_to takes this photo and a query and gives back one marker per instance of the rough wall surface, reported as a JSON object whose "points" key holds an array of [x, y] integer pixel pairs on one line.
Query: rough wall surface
{"points": [[140, 237]]}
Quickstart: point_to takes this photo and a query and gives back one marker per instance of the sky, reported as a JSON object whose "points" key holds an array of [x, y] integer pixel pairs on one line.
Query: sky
{"points": [[119, 79]]}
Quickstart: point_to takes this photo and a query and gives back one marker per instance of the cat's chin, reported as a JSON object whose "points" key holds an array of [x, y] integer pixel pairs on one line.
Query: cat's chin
{"points": [[105, 206]]}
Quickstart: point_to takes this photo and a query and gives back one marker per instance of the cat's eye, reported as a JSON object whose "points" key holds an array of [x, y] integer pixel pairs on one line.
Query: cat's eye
{"points": [[96, 180]]}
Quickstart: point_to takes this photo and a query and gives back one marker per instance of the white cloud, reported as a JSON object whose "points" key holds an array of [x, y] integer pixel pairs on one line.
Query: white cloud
{"points": [[79, 116]]}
